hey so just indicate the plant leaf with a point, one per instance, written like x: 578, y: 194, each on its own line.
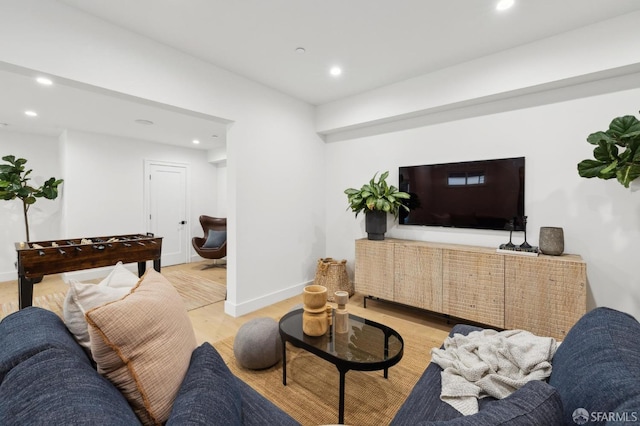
x: 627, y: 174
x: 597, y: 137
x: 605, y: 151
x: 591, y: 168
x: 624, y: 127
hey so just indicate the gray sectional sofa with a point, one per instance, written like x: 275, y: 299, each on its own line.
x: 46, y: 378
x: 595, y: 379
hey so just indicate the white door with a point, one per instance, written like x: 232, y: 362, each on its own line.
x: 167, y: 209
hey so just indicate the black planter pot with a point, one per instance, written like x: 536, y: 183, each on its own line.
x: 375, y: 224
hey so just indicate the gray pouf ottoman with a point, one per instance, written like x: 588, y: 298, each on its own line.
x: 258, y: 344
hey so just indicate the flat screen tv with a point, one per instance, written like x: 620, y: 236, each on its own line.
x: 485, y: 194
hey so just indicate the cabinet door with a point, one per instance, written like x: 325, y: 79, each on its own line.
x: 473, y: 286
x: 374, y: 268
x: 418, y: 276
x: 544, y: 295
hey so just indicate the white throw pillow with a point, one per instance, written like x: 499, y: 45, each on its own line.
x: 120, y: 277
x: 81, y: 297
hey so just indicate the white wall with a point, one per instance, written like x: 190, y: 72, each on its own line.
x: 275, y: 159
x: 41, y: 153
x: 104, y: 188
x: 601, y: 219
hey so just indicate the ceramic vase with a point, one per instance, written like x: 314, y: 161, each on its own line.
x: 314, y: 317
x: 375, y: 224
x: 551, y: 240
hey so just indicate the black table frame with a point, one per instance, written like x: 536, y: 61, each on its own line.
x: 342, y: 365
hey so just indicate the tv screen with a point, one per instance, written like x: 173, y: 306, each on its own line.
x: 487, y: 194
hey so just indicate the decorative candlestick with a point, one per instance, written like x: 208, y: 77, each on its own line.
x: 525, y: 245
x: 342, y: 316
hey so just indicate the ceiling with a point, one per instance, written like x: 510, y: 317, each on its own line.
x: 63, y: 105
x: 375, y: 42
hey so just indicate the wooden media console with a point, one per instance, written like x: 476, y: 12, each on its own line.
x: 545, y: 295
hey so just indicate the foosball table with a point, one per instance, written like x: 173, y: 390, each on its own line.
x: 40, y: 258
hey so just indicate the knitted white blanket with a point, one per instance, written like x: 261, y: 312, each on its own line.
x: 490, y: 363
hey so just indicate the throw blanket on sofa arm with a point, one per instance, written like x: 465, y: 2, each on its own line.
x: 490, y: 363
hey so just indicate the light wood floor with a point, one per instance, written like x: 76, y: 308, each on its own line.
x: 212, y: 324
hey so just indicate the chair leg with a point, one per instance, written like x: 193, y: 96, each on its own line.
x: 217, y: 263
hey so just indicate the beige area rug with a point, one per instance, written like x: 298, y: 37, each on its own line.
x: 53, y: 302
x: 311, y: 395
x: 195, y: 291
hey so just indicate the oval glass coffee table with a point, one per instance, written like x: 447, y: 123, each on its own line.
x: 366, y: 346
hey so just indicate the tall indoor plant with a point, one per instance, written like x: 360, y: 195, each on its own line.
x: 617, y: 152
x: 376, y: 199
x: 14, y: 183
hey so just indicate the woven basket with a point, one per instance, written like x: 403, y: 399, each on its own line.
x: 333, y: 275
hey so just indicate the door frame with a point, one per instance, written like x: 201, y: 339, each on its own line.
x: 187, y: 199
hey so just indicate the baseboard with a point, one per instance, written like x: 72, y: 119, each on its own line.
x: 237, y: 310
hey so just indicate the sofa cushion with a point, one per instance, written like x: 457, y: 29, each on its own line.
x: 424, y: 403
x: 32, y: 330
x: 54, y: 387
x: 259, y: 411
x: 81, y: 297
x: 120, y: 277
x: 535, y: 403
x: 143, y: 343
x: 209, y: 394
x: 212, y: 395
x: 597, y: 366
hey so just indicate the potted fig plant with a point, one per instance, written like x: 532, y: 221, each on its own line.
x: 376, y: 199
x: 617, y: 152
x: 14, y: 183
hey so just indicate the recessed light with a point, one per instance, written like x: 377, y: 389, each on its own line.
x: 335, y: 71
x: 44, y: 81
x: 504, y: 4
x: 300, y: 50
x: 31, y: 113
x: 195, y: 141
x: 144, y: 122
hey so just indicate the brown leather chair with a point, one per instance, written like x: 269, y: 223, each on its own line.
x: 219, y: 227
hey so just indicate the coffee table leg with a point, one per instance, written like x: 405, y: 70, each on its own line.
x: 284, y: 362
x: 341, y: 404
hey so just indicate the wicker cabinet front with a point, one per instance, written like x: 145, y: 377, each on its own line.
x: 374, y: 269
x: 418, y: 276
x: 545, y: 295
x: 473, y: 286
